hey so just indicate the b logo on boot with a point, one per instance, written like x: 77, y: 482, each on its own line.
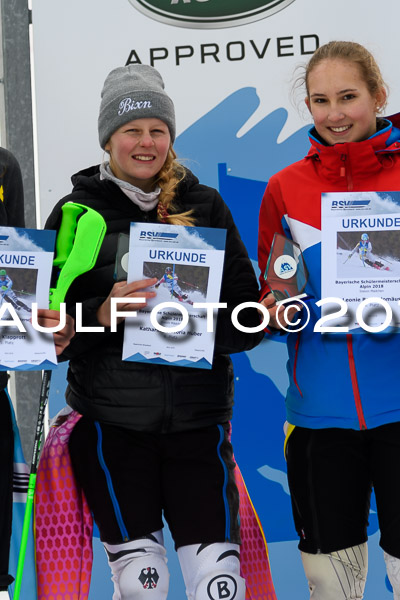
x: 222, y: 587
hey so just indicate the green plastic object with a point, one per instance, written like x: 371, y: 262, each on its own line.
x: 78, y: 244
x: 77, y: 247
x: 66, y: 234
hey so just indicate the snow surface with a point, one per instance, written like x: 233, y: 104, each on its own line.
x: 353, y: 268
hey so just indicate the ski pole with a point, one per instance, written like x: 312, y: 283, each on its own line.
x: 381, y: 257
x: 77, y: 246
x: 349, y: 256
x: 190, y: 284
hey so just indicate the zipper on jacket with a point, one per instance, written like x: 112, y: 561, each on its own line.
x: 354, y: 382
x: 296, y: 353
x: 113, y: 497
x: 345, y: 172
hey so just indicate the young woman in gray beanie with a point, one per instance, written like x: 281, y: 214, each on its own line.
x: 153, y: 439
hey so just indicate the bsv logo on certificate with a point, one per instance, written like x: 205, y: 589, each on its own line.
x: 177, y: 327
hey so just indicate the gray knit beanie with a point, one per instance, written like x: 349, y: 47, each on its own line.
x: 133, y: 92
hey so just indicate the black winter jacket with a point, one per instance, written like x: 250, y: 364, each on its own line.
x: 150, y: 397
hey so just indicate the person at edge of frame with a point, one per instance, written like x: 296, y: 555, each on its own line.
x: 12, y: 215
x: 343, y: 412
x: 154, y: 438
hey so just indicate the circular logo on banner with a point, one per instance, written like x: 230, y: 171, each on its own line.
x: 209, y: 14
x: 285, y: 266
x: 222, y: 586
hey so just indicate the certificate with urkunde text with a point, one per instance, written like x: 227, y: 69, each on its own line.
x: 360, y: 258
x: 26, y: 260
x: 187, y: 263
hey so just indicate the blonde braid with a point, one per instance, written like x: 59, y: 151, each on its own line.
x: 171, y: 174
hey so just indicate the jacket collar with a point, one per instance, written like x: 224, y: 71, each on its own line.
x: 360, y: 159
x: 386, y: 138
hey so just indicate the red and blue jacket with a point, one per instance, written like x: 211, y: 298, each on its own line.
x: 335, y: 380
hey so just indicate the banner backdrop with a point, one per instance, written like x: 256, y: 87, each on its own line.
x: 229, y: 67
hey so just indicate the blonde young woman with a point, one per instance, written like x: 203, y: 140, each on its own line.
x: 154, y: 439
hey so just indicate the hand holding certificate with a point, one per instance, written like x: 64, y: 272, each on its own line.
x: 184, y: 267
